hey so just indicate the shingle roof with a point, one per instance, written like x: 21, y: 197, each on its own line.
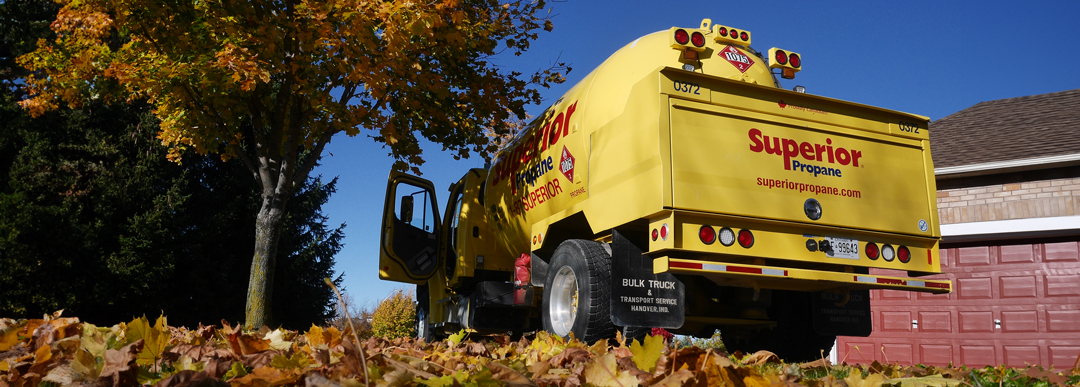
x: 1008, y: 129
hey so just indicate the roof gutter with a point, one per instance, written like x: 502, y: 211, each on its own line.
x: 1010, y: 229
x: 1007, y: 166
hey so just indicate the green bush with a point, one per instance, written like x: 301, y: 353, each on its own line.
x: 395, y: 316
x: 714, y: 342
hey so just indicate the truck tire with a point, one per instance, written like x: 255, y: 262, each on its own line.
x: 793, y: 339
x: 577, y: 292
x: 423, y: 326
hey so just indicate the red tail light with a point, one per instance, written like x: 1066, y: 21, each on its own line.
x: 746, y: 238
x: 781, y: 57
x: 872, y: 250
x: 682, y: 37
x: 707, y: 234
x: 903, y: 254
x: 698, y: 39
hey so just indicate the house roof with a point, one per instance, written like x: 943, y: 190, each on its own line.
x: 1031, y: 127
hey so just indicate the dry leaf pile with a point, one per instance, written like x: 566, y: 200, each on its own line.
x: 59, y: 351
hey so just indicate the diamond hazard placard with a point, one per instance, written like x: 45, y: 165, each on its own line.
x: 736, y: 58
x: 566, y: 165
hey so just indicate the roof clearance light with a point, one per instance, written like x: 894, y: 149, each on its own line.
x: 664, y: 232
x: 681, y: 36
x: 727, y: 237
x: 746, y: 238
x: 728, y: 35
x: 903, y: 254
x: 655, y: 234
x: 781, y: 57
x: 888, y: 253
x: 698, y: 39
x: 707, y: 234
x: 682, y: 39
x: 871, y: 250
x: 788, y: 62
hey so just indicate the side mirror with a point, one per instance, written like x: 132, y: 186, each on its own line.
x: 406, y: 211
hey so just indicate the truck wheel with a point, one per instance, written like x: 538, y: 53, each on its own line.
x: 423, y: 326
x: 793, y: 339
x: 577, y: 292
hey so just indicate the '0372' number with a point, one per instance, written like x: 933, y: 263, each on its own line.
x: 909, y: 127
x: 687, y: 87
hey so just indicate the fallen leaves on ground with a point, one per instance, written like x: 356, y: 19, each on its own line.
x: 56, y: 351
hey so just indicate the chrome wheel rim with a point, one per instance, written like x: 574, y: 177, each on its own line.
x: 564, y: 301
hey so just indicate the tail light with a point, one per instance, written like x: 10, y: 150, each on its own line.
x: 746, y: 238
x: 707, y: 234
x: 662, y: 233
x: 727, y: 236
x: 888, y: 253
x: 872, y: 251
x: 728, y: 35
x: 697, y: 39
x: 788, y: 62
x: 903, y: 254
x: 781, y: 57
x: 681, y: 36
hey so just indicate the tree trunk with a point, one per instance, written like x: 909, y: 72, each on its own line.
x: 260, y: 293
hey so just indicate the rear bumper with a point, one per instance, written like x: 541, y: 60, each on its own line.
x: 770, y: 277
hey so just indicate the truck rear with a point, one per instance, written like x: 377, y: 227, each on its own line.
x: 678, y: 186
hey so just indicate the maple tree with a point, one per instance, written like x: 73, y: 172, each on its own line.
x: 95, y: 220
x: 270, y: 83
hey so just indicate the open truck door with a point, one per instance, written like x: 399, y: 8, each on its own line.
x: 410, y: 230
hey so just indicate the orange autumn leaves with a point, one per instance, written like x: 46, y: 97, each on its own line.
x: 301, y: 72
x: 64, y: 351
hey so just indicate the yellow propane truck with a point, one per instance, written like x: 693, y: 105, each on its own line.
x: 678, y: 186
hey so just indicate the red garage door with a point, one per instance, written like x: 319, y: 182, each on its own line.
x: 1012, y: 304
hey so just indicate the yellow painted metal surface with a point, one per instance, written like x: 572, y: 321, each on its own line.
x: 642, y: 137
x: 769, y: 169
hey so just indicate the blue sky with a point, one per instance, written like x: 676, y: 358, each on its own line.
x: 932, y: 58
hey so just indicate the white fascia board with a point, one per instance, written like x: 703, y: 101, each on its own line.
x: 1007, y: 229
x: 1006, y: 166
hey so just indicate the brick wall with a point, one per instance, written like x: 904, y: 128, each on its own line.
x: 1021, y: 200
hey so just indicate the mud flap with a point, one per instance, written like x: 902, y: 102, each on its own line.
x: 640, y: 298
x: 844, y: 313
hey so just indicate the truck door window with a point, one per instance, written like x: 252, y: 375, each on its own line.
x: 453, y: 212
x: 455, y: 217
x: 414, y: 207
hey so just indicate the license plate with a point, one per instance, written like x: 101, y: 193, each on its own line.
x: 843, y: 248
